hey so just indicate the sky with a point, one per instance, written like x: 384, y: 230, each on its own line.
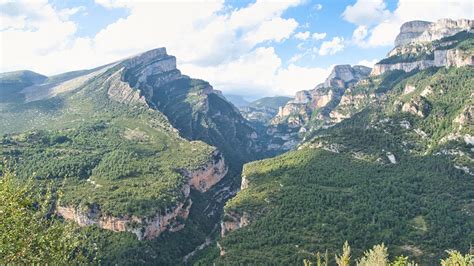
x: 252, y: 48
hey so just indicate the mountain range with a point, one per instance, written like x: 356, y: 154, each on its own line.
x: 157, y: 167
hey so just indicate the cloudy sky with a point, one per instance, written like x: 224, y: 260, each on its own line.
x: 253, y: 48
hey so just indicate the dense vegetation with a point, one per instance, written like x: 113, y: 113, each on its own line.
x: 314, y: 199
x: 29, y: 233
x: 124, y: 159
x: 378, y: 255
x: 123, y: 166
x: 381, y: 176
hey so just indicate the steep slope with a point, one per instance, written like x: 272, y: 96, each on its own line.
x: 192, y: 106
x: 125, y: 143
x: 311, y: 109
x: 397, y: 168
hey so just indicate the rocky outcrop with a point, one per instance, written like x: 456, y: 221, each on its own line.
x: 341, y: 74
x: 288, y: 126
x: 200, y: 179
x: 422, y: 45
x: 208, y: 175
x: 405, y: 66
x: 417, y: 106
x: 142, y: 227
x: 424, y: 31
x: 453, y: 57
x: 122, y: 92
x: 233, y: 221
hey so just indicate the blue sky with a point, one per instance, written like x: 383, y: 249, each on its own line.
x: 254, y: 48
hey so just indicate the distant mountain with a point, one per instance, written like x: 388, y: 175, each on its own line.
x: 237, y: 100
x: 385, y: 157
x: 261, y: 111
x: 313, y: 108
x: 270, y: 102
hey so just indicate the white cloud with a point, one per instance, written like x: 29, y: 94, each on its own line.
x: 331, y: 47
x: 302, y: 35
x: 210, y: 40
x: 359, y: 35
x: 368, y: 63
x: 258, y: 73
x: 276, y: 29
x: 67, y: 12
x: 318, y: 36
x: 30, y: 31
x: 296, y: 58
x: 366, y: 13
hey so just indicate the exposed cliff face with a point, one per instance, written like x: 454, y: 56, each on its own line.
x: 421, y: 45
x: 143, y: 228
x: 122, y: 92
x: 442, y: 58
x: 288, y: 126
x: 453, y: 57
x: 424, y: 31
x: 233, y: 221
x: 208, y: 175
x: 345, y: 73
x: 405, y: 66
x: 200, y: 179
x: 192, y: 106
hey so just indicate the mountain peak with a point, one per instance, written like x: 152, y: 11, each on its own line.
x: 346, y: 73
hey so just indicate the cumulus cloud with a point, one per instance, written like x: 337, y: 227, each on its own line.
x: 318, y: 7
x: 302, y: 35
x: 331, y: 47
x: 377, y: 26
x: 231, y: 48
x: 318, y: 36
x: 366, y: 12
x: 258, y: 73
x: 368, y: 63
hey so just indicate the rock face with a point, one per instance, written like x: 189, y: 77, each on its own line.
x: 203, y: 178
x: 200, y: 179
x: 405, y: 66
x: 422, y: 45
x: 417, y: 106
x: 192, y: 106
x: 122, y: 92
x: 453, y: 57
x: 287, y: 127
x: 447, y: 58
x: 424, y: 31
x: 233, y: 221
x: 345, y: 73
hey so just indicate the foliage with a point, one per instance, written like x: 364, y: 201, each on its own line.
x: 345, y: 258
x: 29, y: 233
x: 456, y: 258
x: 378, y: 255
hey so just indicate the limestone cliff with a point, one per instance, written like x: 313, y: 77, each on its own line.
x: 208, y: 175
x: 288, y: 126
x: 233, y: 221
x: 200, y: 179
x: 424, y: 31
x: 421, y: 45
